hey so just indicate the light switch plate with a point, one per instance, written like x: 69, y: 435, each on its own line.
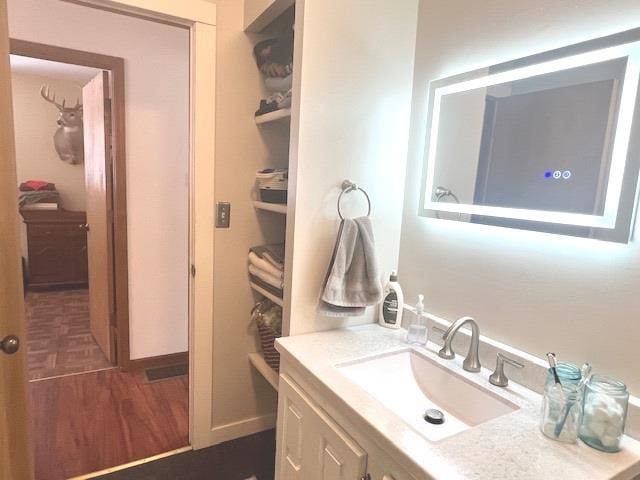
x: 223, y: 215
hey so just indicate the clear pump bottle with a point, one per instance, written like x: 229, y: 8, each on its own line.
x: 417, y: 331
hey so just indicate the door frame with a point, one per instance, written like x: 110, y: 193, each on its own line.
x: 199, y: 17
x: 118, y: 243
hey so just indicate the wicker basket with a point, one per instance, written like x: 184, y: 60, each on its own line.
x: 269, y: 352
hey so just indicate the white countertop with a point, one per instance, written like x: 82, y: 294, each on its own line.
x: 507, y: 447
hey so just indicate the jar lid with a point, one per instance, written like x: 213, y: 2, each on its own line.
x: 606, y: 384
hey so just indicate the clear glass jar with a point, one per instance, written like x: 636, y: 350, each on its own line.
x: 605, y: 410
x: 561, y: 412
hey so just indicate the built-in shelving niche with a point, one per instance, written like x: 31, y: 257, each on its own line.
x: 273, y: 17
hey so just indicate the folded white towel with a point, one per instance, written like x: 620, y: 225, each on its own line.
x: 266, y: 277
x: 268, y: 267
x: 273, y: 254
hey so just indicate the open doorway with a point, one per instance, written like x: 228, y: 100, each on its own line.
x: 106, y: 286
x: 63, y: 137
x: 166, y: 61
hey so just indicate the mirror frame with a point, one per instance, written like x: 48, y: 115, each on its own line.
x: 625, y: 45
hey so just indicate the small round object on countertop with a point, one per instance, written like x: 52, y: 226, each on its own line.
x: 434, y: 416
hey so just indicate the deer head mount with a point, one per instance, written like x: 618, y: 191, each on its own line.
x: 68, y: 139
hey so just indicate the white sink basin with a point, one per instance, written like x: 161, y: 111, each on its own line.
x: 408, y: 383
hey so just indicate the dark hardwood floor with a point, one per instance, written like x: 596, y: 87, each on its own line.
x: 87, y: 422
x: 235, y: 460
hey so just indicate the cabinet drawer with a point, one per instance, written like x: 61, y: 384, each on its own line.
x: 57, y: 254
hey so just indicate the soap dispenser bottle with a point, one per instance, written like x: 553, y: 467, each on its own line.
x: 417, y: 331
x: 392, y: 303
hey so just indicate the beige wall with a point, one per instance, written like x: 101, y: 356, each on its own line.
x: 242, y: 400
x: 35, y: 125
x: 536, y: 292
x: 157, y: 123
x: 354, y: 100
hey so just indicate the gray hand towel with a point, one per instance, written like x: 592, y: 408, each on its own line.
x: 352, y: 281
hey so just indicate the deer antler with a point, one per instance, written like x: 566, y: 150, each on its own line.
x: 45, y: 92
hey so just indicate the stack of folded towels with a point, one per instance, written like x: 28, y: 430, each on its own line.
x: 266, y: 267
x: 38, y: 192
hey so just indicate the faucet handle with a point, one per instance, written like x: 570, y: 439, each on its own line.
x: 446, y: 351
x: 498, y: 377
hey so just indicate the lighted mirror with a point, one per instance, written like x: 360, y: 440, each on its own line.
x: 543, y: 143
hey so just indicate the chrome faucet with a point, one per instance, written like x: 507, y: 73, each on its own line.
x: 472, y: 362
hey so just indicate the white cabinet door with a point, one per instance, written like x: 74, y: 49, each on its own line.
x: 311, y: 446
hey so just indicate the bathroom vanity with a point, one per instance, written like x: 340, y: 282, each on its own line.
x: 351, y: 406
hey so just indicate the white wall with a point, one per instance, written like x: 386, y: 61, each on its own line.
x: 354, y: 101
x: 537, y: 292
x: 35, y: 126
x: 157, y: 121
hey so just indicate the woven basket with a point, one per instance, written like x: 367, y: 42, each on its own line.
x: 269, y: 352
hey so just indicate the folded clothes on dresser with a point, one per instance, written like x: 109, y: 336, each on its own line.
x: 30, y: 197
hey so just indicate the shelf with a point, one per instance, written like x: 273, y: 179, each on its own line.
x: 265, y: 370
x: 271, y: 207
x: 275, y: 299
x: 259, y: 14
x: 273, y: 116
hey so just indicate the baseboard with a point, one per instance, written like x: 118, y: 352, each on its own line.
x: 231, y: 431
x: 159, y: 361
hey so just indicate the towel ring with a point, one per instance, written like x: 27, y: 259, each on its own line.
x: 348, y: 186
x: 442, y: 192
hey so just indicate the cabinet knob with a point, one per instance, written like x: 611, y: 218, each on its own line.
x: 84, y: 226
